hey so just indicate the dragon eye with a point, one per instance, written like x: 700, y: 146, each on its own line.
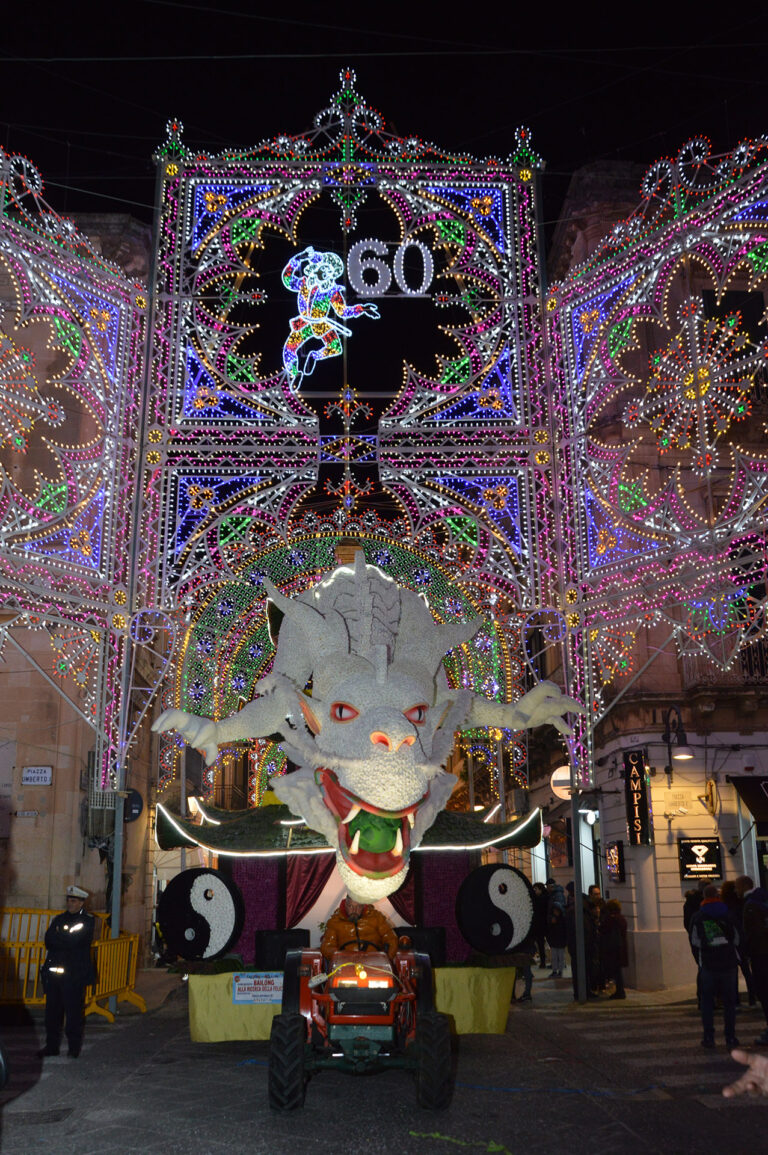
x: 417, y: 714
x: 343, y: 712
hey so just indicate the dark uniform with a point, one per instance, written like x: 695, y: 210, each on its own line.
x: 68, y: 969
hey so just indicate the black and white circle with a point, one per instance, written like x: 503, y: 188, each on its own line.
x: 494, y: 909
x: 200, y: 914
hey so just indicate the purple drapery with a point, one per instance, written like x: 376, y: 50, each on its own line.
x: 306, y: 875
x: 441, y: 876
x: 259, y: 881
x: 404, y: 899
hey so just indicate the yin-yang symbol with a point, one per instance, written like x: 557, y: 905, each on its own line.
x: 200, y: 914
x: 494, y: 909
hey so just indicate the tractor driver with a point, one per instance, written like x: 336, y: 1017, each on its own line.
x: 358, y: 926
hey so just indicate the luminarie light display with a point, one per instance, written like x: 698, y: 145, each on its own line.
x: 660, y: 340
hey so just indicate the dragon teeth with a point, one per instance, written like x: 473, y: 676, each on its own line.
x: 398, y: 850
x: 411, y: 819
x: 352, y: 814
x: 354, y: 845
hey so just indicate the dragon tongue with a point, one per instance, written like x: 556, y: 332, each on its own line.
x: 373, y: 841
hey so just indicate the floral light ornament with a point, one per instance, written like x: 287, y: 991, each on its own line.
x: 44, y: 423
x: 685, y: 403
x: 699, y: 384
x: 372, y: 737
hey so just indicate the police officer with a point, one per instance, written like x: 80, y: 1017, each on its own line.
x: 68, y: 969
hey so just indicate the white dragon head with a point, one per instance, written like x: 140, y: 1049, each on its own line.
x: 359, y: 699
x: 378, y: 723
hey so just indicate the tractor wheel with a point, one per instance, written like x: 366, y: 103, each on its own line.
x: 287, y: 1076
x: 434, y: 1070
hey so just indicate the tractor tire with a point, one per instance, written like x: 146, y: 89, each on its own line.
x: 287, y: 1080
x: 434, y: 1067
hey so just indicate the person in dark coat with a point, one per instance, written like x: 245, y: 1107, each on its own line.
x: 729, y: 893
x: 613, y: 943
x: 596, y: 908
x: 715, y: 942
x: 523, y: 959
x: 690, y: 906
x: 68, y: 969
x: 755, y: 921
x: 539, y: 925
x: 556, y: 936
x: 590, y: 941
x: 692, y: 903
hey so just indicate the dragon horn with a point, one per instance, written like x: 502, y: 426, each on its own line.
x: 323, y: 633
x: 434, y: 641
x: 453, y: 636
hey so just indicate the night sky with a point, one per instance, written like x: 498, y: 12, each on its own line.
x: 87, y: 88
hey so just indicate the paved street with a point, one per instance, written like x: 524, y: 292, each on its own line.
x: 606, y: 1077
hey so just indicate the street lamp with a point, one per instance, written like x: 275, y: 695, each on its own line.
x: 683, y: 752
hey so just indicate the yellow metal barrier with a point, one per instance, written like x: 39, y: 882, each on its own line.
x: 20, y: 964
x: 22, y: 951
x: 116, y: 960
x: 27, y: 924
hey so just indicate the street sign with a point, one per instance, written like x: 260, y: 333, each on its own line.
x: 37, y: 775
x: 560, y: 782
x: 133, y: 806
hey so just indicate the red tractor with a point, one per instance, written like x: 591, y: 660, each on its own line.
x: 365, y: 1013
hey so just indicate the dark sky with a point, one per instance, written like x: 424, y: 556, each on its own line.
x: 87, y: 88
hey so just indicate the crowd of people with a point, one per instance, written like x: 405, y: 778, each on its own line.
x: 727, y: 928
x: 728, y: 931
x: 605, y: 936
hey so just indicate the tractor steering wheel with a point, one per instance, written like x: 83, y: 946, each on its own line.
x: 359, y: 943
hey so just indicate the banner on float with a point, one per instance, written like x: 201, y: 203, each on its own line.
x: 257, y: 987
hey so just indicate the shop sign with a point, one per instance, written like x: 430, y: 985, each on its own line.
x: 37, y: 775
x: 257, y: 987
x: 700, y: 858
x: 614, y: 861
x: 638, y: 798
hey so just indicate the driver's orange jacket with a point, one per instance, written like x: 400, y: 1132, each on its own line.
x: 372, y: 926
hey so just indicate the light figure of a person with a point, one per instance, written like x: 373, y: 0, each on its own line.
x: 313, y: 276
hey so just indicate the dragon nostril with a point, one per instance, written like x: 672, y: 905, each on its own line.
x: 380, y: 739
x: 407, y: 741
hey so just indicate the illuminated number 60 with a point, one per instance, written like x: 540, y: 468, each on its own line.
x: 428, y: 267
x: 365, y: 255
x: 357, y: 264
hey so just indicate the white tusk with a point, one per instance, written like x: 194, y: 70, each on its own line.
x: 355, y: 843
x: 398, y: 843
x: 352, y: 814
x: 411, y: 819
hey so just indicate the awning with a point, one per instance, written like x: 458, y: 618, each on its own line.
x: 753, y: 792
x: 556, y: 812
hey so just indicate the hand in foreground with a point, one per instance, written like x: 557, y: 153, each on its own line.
x: 754, y: 1081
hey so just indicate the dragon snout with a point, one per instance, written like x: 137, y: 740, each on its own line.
x: 392, y: 742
